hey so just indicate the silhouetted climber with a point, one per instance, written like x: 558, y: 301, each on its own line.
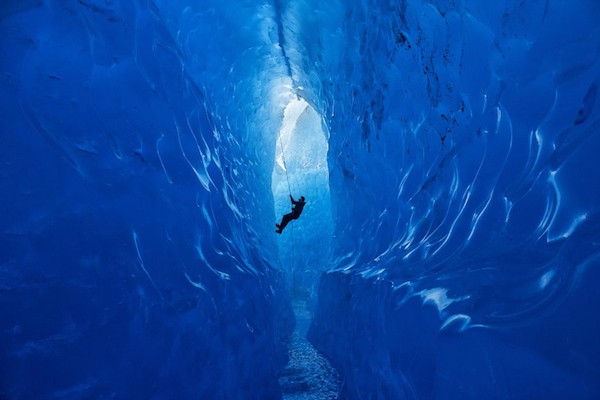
x: 297, y: 208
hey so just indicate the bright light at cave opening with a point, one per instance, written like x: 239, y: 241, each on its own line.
x: 301, y: 168
x: 300, y: 153
x: 290, y: 117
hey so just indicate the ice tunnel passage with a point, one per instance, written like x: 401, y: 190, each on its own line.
x: 137, y: 253
x: 301, y: 169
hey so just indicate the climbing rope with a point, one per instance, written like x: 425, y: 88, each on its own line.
x: 287, y: 177
x: 284, y: 163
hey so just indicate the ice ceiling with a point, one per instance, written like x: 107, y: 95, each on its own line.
x: 447, y: 151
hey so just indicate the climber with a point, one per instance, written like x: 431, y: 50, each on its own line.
x: 297, y: 208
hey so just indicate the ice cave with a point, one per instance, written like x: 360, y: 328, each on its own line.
x: 448, y: 151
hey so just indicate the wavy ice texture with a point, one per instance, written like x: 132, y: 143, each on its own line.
x: 135, y: 259
x: 138, y: 144
x: 480, y: 124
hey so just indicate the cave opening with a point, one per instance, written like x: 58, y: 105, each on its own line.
x: 301, y: 169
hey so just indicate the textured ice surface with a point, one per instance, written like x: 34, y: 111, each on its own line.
x: 464, y: 139
x: 138, y: 141
x: 134, y: 256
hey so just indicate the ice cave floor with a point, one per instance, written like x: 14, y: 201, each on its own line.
x: 308, y: 375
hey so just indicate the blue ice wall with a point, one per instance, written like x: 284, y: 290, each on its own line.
x: 137, y: 253
x: 463, y: 151
x: 132, y: 264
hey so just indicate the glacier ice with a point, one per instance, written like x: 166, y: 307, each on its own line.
x: 484, y: 208
x: 133, y: 263
x: 452, y: 229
